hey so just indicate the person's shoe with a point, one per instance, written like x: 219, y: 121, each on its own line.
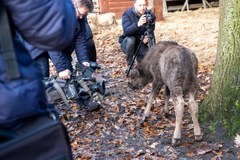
x: 90, y: 105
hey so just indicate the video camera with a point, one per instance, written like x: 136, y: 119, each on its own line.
x: 83, y: 80
x: 81, y: 83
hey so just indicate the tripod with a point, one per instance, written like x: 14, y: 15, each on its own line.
x: 151, y: 42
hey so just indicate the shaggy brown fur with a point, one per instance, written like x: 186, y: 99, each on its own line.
x: 175, y: 67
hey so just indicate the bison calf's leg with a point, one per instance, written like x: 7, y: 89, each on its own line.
x: 166, y: 98
x: 156, y: 87
x: 179, y: 110
x: 148, y: 107
x: 193, y: 108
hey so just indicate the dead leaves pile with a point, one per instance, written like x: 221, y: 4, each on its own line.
x: 113, y: 133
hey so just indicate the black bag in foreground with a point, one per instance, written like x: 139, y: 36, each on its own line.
x: 32, y: 135
x: 39, y: 138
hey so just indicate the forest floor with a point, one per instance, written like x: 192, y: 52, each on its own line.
x: 112, y: 132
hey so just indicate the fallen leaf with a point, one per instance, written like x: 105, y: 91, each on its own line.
x: 237, y: 141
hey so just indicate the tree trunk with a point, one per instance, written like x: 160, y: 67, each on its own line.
x: 221, y: 107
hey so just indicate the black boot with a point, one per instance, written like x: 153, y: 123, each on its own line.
x: 87, y: 103
x: 90, y: 105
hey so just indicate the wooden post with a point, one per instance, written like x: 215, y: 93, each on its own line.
x: 104, y: 6
x: 158, y: 9
x: 155, y: 5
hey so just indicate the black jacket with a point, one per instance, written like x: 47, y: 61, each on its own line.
x: 129, y: 23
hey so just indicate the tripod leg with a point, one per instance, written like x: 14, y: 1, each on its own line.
x: 136, y: 54
x: 151, y: 39
x: 134, y: 57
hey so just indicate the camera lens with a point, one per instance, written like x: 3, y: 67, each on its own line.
x: 94, y: 65
x: 150, y: 19
x: 98, y: 87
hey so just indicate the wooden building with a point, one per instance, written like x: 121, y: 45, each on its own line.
x: 158, y: 6
x: 119, y: 6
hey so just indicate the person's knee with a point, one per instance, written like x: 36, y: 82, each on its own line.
x: 130, y: 41
x: 128, y: 44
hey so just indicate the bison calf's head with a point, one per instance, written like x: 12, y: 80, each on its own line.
x: 137, y: 80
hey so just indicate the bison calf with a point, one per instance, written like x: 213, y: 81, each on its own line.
x: 175, y: 67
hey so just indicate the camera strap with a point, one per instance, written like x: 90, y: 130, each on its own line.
x: 62, y: 94
x: 9, y: 56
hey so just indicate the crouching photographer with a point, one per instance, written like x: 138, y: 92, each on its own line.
x: 138, y: 25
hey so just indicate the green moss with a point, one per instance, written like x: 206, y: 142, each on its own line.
x: 224, y: 124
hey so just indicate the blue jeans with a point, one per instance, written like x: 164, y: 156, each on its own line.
x: 129, y: 47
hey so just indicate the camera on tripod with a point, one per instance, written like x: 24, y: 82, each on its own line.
x: 149, y: 17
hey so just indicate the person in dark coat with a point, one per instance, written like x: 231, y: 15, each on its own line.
x: 83, y: 45
x: 38, y: 55
x: 85, y: 50
x: 54, y: 26
x: 62, y: 60
x: 134, y: 27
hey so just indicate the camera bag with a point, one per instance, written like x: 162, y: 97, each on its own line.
x: 27, y: 132
x: 40, y: 137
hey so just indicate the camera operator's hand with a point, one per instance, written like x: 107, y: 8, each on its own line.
x: 86, y: 64
x: 145, y: 39
x: 66, y: 74
x: 142, y: 20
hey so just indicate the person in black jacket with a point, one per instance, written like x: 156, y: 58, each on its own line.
x: 134, y: 27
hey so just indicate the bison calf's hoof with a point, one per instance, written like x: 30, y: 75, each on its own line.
x: 175, y: 142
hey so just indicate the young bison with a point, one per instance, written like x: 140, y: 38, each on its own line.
x: 175, y: 67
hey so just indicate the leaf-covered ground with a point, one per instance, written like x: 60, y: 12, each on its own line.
x: 113, y: 133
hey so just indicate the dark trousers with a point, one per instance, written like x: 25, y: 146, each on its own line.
x: 42, y: 61
x: 129, y: 47
x: 91, y: 50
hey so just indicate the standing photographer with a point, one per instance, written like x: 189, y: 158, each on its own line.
x: 135, y: 23
x: 62, y: 60
x: 83, y: 45
x: 42, y: 57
